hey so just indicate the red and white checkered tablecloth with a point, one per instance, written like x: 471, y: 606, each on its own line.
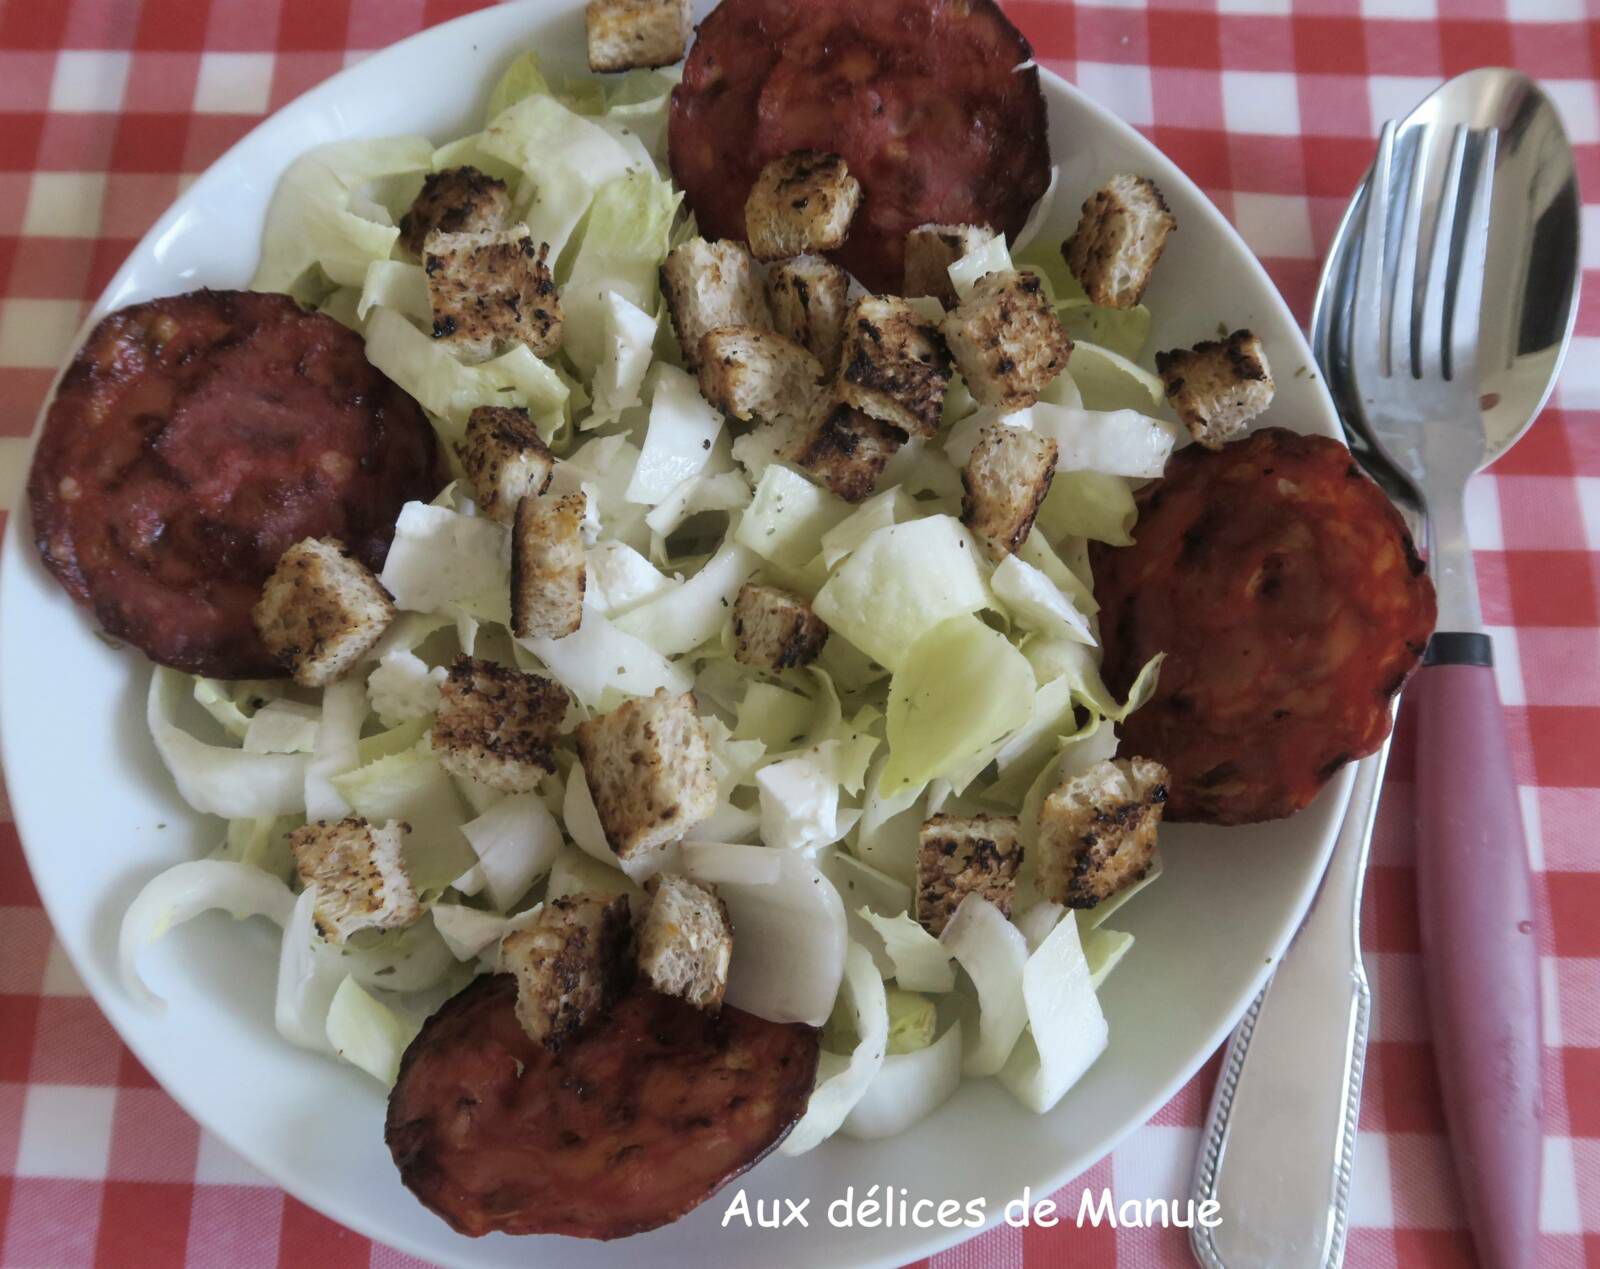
x: 107, y: 107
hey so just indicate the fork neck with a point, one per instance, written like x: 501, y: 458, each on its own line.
x: 1450, y: 562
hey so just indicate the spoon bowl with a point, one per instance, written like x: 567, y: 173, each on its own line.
x: 1530, y: 280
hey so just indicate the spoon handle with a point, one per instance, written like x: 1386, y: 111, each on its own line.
x: 1480, y: 958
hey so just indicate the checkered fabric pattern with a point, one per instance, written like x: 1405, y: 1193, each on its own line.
x: 107, y: 108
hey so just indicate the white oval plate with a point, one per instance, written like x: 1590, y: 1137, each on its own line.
x: 98, y: 815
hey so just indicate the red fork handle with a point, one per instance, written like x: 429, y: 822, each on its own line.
x: 1480, y: 957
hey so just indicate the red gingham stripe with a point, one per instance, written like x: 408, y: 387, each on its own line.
x: 1273, y: 115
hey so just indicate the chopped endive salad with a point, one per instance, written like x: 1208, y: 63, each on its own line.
x: 947, y: 684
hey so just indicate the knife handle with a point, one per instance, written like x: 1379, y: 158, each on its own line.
x: 1480, y: 957
x: 1279, y: 1141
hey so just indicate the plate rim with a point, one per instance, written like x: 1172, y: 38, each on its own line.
x: 17, y: 543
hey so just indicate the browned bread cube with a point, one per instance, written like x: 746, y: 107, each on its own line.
x: 775, y: 630
x: 1218, y: 386
x: 628, y: 34
x: 360, y: 875
x: 1097, y: 832
x: 894, y: 365
x: 958, y: 856
x: 496, y: 725
x: 571, y: 963
x: 843, y: 449
x: 491, y: 291
x: 1007, y: 341
x: 686, y: 941
x: 321, y: 611
x: 549, y: 567
x: 802, y: 202
x: 808, y: 296
x: 458, y: 200
x: 707, y: 285
x: 745, y: 372
x: 1006, y: 479
x: 1120, y: 237
x: 505, y: 459
x: 931, y: 250
x: 648, y: 764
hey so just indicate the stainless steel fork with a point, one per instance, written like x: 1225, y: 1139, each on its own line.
x: 1414, y: 335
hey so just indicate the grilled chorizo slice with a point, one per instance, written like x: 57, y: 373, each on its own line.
x: 924, y: 99
x: 1289, y: 599
x: 631, y: 1124
x: 196, y: 438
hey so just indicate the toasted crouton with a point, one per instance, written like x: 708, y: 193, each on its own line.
x: 572, y: 962
x: 686, y: 941
x: 491, y: 291
x: 505, y: 459
x: 360, y: 876
x: 774, y: 630
x: 1120, y: 237
x: 321, y: 611
x: 710, y: 284
x: 843, y: 449
x: 1007, y: 341
x: 1218, y: 386
x: 1006, y: 479
x: 624, y: 34
x: 932, y: 249
x: 648, y: 763
x: 548, y: 568
x: 745, y: 371
x: 458, y: 200
x: 496, y: 725
x: 808, y: 296
x: 894, y: 365
x: 801, y: 202
x: 1097, y: 832
x: 957, y: 857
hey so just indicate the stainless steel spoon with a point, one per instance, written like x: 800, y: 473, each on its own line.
x: 1279, y: 1147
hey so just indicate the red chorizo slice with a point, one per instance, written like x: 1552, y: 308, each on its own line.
x: 1289, y: 599
x: 192, y: 441
x: 626, y: 1128
x: 922, y: 98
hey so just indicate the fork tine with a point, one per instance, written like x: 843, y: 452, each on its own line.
x: 1433, y: 333
x: 1402, y: 310
x: 1367, y: 308
x: 1467, y: 302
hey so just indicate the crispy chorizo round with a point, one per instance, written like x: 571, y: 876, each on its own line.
x: 923, y: 98
x: 192, y: 441
x: 1289, y: 599
x: 628, y: 1126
